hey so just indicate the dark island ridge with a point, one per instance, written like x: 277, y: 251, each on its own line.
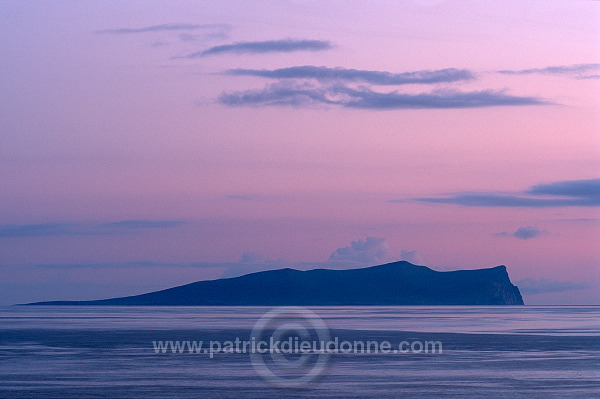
x: 398, y: 283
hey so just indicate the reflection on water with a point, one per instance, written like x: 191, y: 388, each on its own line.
x: 547, y: 320
x: 106, y: 352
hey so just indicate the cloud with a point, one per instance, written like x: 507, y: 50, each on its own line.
x: 523, y: 233
x: 322, y: 73
x: 159, y: 43
x: 276, y: 94
x: 543, y: 286
x: 580, y: 220
x: 252, y: 262
x: 306, y: 94
x: 35, y: 230
x: 577, y: 70
x: 411, y: 256
x: 589, y: 188
x: 527, y: 232
x: 267, y: 46
x: 145, y: 224
x: 365, y: 98
x: 371, y: 251
x: 368, y: 252
x: 588, y: 77
x: 585, y: 193
x: 491, y: 200
x: 170, y: 27
x: 79, y: 229
x: 121, y: 265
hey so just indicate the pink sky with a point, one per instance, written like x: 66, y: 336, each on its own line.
x: 105, y: 118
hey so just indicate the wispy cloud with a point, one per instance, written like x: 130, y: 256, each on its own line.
x: 145, y: 224
x: 306, y: 94
x: 576, y: 70
x: 586, y: 77
x: 323, y: 73
x: 252, y: 262
x: 533, y: 286
x: 35, y: 230
x: 363, y: 252
x: 523, y: 233
x: 589, y: 188
x: 170, y: 27
x: 579, y: 220
x: 79, y: 229
x: 492, y: 200
x: 413, y: 256
x: 584, y: 193
x: 262, y: 47
x: 122, y: 265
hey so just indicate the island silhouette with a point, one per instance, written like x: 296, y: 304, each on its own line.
x: 397, y: 283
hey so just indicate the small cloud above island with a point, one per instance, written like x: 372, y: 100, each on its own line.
x: 413, y: 256
x: 252, y: 262
x: 370, y: 251
x: 523, y: 233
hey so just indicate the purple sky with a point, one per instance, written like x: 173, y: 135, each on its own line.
x: 150, y: 144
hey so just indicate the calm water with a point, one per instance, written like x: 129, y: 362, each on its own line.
x: 108, y: 352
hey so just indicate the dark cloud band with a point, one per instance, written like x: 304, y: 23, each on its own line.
x: 166, y: 28
x: 585, y: 193
x: 268, y: 46
x: 73, y: 229
x: 356, y: 75
x: 556, y: 70
x: 145, y: 224
x: 365, y: 98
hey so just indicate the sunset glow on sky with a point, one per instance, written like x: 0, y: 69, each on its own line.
x: 145, y: 145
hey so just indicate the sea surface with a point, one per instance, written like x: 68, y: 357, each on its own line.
x: 110, y: 352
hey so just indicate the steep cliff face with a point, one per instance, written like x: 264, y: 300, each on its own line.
x: 507, y: 294
x: 488, y: 286
x: 398, y: 283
